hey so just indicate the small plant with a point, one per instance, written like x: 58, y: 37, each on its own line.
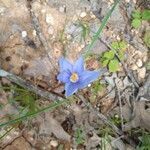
x: 145, y: 142
x: 96, y: 87
x: 25, y: 98
x: 85, y: 30
x: 79, y: 136
x: 138, y: 16
x: 109, y: 58
x: 147, y: 38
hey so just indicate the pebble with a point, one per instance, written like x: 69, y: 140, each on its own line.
x: 92, y: 15
x: 43, y: 11
x: 24, y: 34
x: 111, y: 1
x: 144, y: 58
x: 54, y: 143
x: 139, y: 63
x: 118, y: 38
x: 62, y: 8
x: 134, y: 67
x: 142, y: 72
x: 127, y: 1
x: 34, y: 33
x: 89, y: 85
x: 2, y: 10
x: 49, y: 19
x: 83, y: 14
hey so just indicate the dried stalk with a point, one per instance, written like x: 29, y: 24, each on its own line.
x: 100, y: 115
x: 25, y: 84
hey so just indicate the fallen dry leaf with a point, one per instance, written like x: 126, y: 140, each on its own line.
x: 141, y: 119
x: 50, y: 125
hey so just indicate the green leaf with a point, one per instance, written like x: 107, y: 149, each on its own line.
x: 146, y: 15
x: 136, y: 14
x: 113, y: 65
x: 122, y: 45
x: 136, y: 23
x: 105, y: 63
x: 109, y: 55
x: 79, y: 137
x: 115, y: 45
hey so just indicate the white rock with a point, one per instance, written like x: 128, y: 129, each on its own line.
x: 127, y: 1
x: 34, y: 33
x: 118, y: 37
x: 49, y: 19
x: 54, y: 143
x: 145, y: 58
x: 139, y: 63
x: 83, y: 14
x: 24, y: 34
x: 134, y: 67
x: 43, y: 11
x: 89, y: 85
x: 142, y: 72
x: 92, y: 15
x: 62, y: 8
x: 134, y: 1
x: 111, y: 1
x: 2, y: 10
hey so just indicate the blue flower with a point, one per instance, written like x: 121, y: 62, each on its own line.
x: 75, y: 76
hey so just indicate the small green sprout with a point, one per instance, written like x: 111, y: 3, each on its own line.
x: 145, y: 142
x: 79, y: 136
x: 85, y: 30
x: 109, y: 58
x: 147, y: 38
x: 138, y: 16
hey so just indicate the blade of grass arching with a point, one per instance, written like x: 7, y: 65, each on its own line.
x: 98, y: 33
x: 50, y: 107
x: 6, y: 132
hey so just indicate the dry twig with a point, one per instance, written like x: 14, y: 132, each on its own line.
x: 39, y: 32
x: 19, y: 81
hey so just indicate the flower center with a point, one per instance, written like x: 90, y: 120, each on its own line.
x: 74, y: 77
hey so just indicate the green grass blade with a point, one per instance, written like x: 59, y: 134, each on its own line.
x: 6, y: 132
x: 50, y: 107
x: 104, y: 22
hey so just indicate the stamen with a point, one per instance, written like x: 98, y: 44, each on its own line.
x: 74, y: 77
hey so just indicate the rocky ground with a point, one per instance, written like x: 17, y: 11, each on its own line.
x: 34, y: 34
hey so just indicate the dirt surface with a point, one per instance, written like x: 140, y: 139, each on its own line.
x: 34, y: 34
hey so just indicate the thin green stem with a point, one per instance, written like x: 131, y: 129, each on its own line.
x: 50, y: 107
x: 6, y: 132
x: 98, y: 33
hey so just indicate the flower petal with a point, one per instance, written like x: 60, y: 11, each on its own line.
x: 64, y: 76
x: 87, y: 77
x: 70, y: 89
x: 79, y: 65
x: 65, y: 65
